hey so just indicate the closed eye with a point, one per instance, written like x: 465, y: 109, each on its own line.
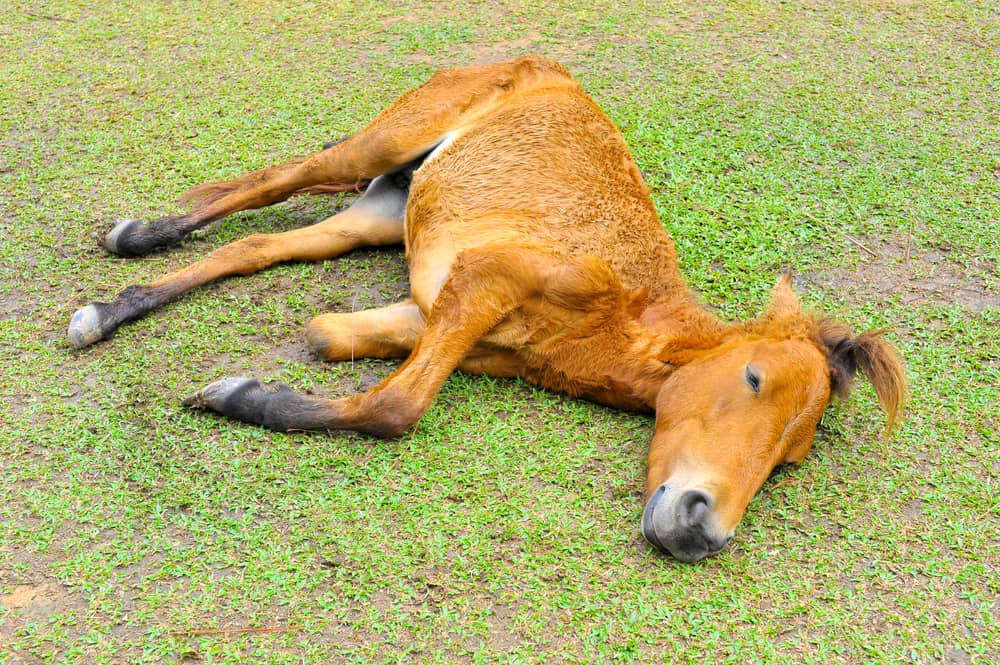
x: 753, y: 379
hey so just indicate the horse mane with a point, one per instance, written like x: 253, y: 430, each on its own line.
x: 870, y: 353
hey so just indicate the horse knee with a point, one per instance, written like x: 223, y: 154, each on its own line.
x: 388, y: 411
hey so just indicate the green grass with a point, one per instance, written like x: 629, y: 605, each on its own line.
x: 504, y: 527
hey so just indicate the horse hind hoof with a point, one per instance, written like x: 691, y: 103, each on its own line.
x: 85, y: 327
x: 214, y: 395
x: 116, y: 240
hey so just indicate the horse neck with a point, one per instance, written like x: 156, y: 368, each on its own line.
x: 667, y: 324
x: 677, y: 329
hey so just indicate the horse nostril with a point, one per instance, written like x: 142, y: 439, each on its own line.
x: 694, y: 507
x: 683, y: 524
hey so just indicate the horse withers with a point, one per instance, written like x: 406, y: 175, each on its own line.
x: 534, y: 251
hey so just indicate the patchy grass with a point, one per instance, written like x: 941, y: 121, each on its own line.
x: 504, y: 527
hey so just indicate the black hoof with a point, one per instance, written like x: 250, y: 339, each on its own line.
x: 87, y: 326
x: 121, y: 239
x: 99, y: 320
x: 275, y: 406
x: 214, y: 395
x: 131, y: 237
x: 247, y: 400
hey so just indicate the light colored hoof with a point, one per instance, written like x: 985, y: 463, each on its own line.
x: 85, y: 327
x: 215, y: 394
x: 111, y: 240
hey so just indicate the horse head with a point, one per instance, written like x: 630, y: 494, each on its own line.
x: 726, y: 419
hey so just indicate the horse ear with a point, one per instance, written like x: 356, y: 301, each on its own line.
x: 784, y: 302
x: 876, y: 358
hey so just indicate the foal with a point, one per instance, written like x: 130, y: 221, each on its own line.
x: 534, y: 251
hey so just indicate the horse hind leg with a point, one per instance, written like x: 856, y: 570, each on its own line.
x: 399, y: 137
x: 405, y: 132
x: 374, y: 219
x: 347, y: 165
x: 212, y: 201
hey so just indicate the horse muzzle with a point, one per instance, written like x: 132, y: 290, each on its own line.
x: 683, y: 523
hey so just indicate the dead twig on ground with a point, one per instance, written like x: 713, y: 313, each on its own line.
x: 47, y: 17
x: 233, y: 631
x: 831, y: 229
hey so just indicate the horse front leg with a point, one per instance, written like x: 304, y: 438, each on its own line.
x: 484, y: 287
x: 386, y: 332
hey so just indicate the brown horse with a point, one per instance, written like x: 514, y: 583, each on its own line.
x: 534, y: 250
